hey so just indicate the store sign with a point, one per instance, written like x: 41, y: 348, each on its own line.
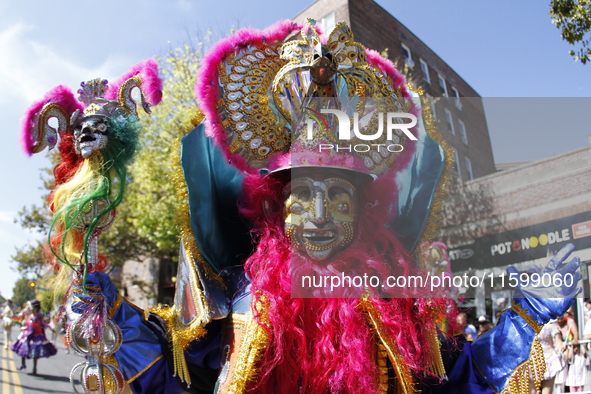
x: 581, y: 230
x: 524, y: 244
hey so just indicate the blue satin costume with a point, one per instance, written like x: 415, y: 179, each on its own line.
x: 481, y: 367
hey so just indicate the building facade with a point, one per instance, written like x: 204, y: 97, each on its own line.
x: 456, y: 106
x: 541, y: 206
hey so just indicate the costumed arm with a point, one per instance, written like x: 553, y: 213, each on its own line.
x: 140, y: 357
x: 507, y: 354
x: 165, y: 343
x: 157, y: 354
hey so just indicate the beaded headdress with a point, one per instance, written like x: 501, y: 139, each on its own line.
x: 260, y: 90
x: 96, y: 98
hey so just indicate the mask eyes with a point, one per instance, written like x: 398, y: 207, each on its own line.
x: 343, y: 207
x: 91, y: 128
x: 334, y: 191
x: 302, y: 193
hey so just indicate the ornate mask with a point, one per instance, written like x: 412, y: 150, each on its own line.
x: 90, y: 136
x: 320, y: 212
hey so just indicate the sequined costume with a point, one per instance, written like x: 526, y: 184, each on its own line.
x: 270, y: 194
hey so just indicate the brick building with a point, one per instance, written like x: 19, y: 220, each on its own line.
x: 149, y: 282
x: 542, y: 206
x: 456, y: 106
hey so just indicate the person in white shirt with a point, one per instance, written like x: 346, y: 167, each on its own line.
x: 7, y: 315
x: 577, y: 371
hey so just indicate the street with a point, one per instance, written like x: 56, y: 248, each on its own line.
x: 52, y: 373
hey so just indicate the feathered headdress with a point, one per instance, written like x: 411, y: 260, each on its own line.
x: 254, y: 87
x: 96, y: 98
x: 97, y: 134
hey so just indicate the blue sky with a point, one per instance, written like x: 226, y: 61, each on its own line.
x: 502, y: 48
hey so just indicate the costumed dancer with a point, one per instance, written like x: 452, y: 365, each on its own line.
x: 243, y: 320
x: 97, y: 135
x: 32, y: 342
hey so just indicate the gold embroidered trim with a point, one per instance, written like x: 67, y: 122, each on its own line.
x: 116, y: 305
x: 404, y: 377
x: 435, y: 216
x: 183, y: 212
x: 382, y: 362
x: 526, y: 316
x: 437, y: 367
x: 144, y: 370
x: 533, y: 368
x: 255, y: 340
x: 180, y: 337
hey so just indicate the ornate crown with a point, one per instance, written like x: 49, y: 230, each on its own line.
x: 264, y: 93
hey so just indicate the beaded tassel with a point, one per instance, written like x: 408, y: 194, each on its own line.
x: 532, y: 369
x: 437, y: 367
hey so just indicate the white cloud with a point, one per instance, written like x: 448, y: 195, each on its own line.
x: 7, y: 217
x: 29, y: 68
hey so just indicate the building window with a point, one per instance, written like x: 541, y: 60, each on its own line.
x: 456, y: 161
x: 425, y: 70
x: 469, y: 168
x: 327, y: 23
x: 407, y: 56
x: 463, y: 133
x: 456, y: 94
x: 450, y: 122
x: 443, y: 85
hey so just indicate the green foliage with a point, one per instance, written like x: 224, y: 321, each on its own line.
x: 22, y: 291
x: 152, y: 198
x: 35, y: 218
x: 573, y: 18
x: 30, y: 259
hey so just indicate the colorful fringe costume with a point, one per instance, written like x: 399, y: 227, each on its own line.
x: 270, y: 200
x: 97, y: 135
x: 32, y: 342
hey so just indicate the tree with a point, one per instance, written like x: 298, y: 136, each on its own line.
x: 30, y: 259
x: 573, y: 18
x: 152, y: 201
x: 23, y: 291
x: 467, y: 211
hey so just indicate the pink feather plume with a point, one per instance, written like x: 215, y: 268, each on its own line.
x: 206, y: 88
x: 60, y: 95
x: 151, y: 82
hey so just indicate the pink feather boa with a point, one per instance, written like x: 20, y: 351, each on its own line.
x: 206, y: 88
x: 60, y: 95
x: 151, y: 82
